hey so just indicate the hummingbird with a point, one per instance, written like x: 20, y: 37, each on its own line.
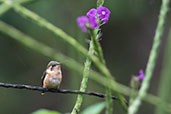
x: 52, y: 76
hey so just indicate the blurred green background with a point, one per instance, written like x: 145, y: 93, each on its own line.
x: 126, y: 42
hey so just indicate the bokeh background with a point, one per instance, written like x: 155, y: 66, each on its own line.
x: 126, y: 42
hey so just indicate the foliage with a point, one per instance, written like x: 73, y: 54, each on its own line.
x: 93, y: 55
x: 94, y: 109
x: 44, y: 111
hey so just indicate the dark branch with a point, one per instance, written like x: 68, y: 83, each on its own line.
x: 64, y: 91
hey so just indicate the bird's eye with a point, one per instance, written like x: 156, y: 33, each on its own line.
x: 54, y: 65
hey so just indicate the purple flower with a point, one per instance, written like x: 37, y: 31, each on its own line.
x: 103, y: 14
x: 83, y: 22
x: 93, y: 22
x: 141, y: 75
x: 92, y: 18
x: 92, y: 12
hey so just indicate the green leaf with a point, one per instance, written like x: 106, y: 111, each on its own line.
x: 94, y: 109
x: 44, y: 111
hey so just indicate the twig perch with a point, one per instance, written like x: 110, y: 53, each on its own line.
x: 64, y: 91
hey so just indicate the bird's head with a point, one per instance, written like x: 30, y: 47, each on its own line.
x: 53, y: 65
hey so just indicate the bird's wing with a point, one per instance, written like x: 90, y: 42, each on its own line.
x: 43, y: 77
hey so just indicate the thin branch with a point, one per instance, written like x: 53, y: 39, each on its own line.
x: 64, y: 91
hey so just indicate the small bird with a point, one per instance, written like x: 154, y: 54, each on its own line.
x: 52, y: 76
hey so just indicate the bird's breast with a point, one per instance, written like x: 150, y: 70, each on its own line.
x: 52, y: 80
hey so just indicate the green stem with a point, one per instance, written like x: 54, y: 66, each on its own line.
x: 152, y: 59
x: 165, y: 85
x: 4, y: 8
x: 134, y: 84
x: 97, y: 47
x: 101, y: 58
x: 109, y: 101
x: 98, y: 50
x: 100, y: 3
x: 83, y: 86
x: 7, y: 5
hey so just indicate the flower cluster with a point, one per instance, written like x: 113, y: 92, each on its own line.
x: 93, y: 18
